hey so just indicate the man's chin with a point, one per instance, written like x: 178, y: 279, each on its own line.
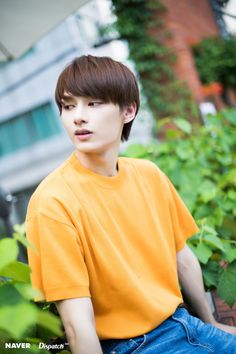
x: 88, y: 149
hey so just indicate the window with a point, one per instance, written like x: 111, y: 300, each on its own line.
x: 28, y: 128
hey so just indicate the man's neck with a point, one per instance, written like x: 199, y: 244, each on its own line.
x: 104, y: 164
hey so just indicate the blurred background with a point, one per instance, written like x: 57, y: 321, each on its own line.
x: 175, y: 48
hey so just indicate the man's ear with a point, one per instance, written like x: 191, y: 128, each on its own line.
x: 129, y: 112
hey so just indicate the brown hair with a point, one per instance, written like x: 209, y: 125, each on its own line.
x: 102, y: 78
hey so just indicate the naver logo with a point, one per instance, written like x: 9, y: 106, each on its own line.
x: 17, y: 345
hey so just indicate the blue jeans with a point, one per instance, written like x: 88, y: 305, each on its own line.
x: 181, y: 333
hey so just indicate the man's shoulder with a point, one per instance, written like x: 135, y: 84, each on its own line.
x: 54, y: 179
x: 146, y: 172
x: 142, y: 165
x: 52, y: 188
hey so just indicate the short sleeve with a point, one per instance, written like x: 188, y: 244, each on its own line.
x: 58, y: 267
x: 183, y: 223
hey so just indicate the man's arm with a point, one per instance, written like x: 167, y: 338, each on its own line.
x: 78, y: 319
x: 190, y: 277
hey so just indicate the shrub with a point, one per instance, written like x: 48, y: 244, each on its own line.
x: 215, y: 59
x: 201, y: 162
x: 20, y: 319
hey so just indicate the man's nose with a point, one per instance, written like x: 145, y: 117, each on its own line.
x: 80, y: 116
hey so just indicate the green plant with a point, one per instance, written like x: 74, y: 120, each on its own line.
x: 216, y: 60
x: 20, y: 319
x: 201, y: 163
x: 141, y: 23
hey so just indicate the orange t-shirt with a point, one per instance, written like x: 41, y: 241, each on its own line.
x: 113, y: 239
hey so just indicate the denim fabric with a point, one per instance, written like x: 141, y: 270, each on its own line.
x: 181, y: 333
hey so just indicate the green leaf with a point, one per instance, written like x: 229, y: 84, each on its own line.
x: 209, y: 230
x: 228, y: 205
x: 50, y: 322
x: 19, y: 235
x: 19, y: 229
x: 182, y: 152
x: 203, y: 252
x: 17, y: 271
x: 227, y: 285
x: 218, y: 216
x: 208, y: 191
x: 232, y: 195
x: 211, y: 273
x: 214, y: 241
x: 27, y: 291
x: 16, y: 319
x: 8, y: 251
x: 9, y: 296
x: 230, y: 255
x: 183, y: 125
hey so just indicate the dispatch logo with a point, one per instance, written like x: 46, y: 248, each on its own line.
x: 41, y: 345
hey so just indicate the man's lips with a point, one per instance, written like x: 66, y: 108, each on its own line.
x: 83, y: 134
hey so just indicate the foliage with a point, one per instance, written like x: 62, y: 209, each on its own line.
x: 216, y: 60
x: 141, y: 24
x: 20, y: 319
x: 201, y: 162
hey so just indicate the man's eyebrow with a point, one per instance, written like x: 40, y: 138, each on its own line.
x: 66, y: 99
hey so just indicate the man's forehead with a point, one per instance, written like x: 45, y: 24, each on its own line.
x: 67, y: 96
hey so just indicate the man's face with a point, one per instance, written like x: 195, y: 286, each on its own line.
x: 92, y: 125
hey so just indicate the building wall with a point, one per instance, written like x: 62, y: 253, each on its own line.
x: 27, y: 85
x: 32, y: 138
x: 189, y: 22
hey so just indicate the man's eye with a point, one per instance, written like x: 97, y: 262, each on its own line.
x: 68, y: 107
x: 94, y: 103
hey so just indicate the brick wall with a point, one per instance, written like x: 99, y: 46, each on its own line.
x: 189, y: 22
x: 223, y: 312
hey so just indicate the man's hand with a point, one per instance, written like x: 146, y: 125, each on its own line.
x: 190, y: 277
x: 78, y: 319
x: 225, y: 328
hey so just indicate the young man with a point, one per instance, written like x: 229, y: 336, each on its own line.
x: 111, y: 232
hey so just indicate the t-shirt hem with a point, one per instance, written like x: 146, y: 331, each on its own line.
x: 187, y: 235
x: 58, y: 294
